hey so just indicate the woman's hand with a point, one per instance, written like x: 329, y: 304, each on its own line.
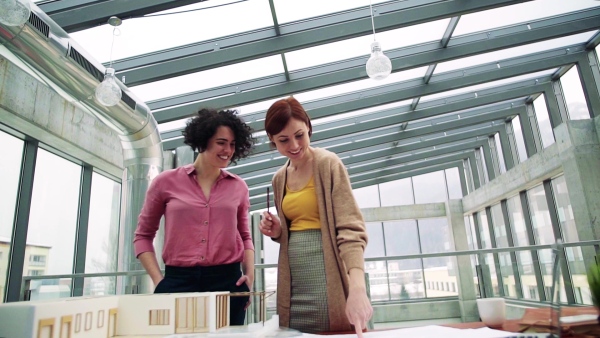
x: 270, y: 225
x: 358, y: 309
x: 249, y: 280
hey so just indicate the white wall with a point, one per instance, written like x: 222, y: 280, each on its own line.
x: 133, y: 317
x: 89, y: 310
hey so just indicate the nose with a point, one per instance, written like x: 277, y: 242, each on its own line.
x: 294, y: 143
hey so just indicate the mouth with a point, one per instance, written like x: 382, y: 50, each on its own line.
x: 224, y: 158
x: 295, y: 152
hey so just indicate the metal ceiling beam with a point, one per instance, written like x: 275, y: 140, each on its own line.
x: 403, y: 58
x: 76, y: 15
x: 401, y: 175
x: 329, y: 106
x: 353, y: 69
x: 386, y: 151
x: 296, y: 35
x: 260, y: 202
x: 478, y: 121
x: 351, y: 143
x: 508, y: 95
x: 260, y: 195
x: 393, y: 153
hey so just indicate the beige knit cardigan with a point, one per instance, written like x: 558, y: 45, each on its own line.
x: 343, y: 231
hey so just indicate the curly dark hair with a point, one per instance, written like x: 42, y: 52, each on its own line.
x: 203, y: 126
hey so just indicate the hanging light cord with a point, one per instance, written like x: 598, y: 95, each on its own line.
x: 372, y: 21
x: 116, y: 32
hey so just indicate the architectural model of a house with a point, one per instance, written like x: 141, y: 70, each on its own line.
x: 147, y: 315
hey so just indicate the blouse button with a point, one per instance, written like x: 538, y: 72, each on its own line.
x: 205, y: 222
x: 202, y: 258
x: 206, y: 205
x: 203, y: 240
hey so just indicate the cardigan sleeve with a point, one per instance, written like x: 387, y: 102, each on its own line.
x: 274, y: 183
x: 350, y: 225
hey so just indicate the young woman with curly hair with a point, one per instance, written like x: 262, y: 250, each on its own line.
x: 207, y: 243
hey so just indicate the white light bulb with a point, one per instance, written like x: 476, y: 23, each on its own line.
x: 379, y: 66
x: 108, y: 91
x: 14, y: 12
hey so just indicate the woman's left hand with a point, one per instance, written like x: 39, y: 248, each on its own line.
x: 358, y: 309
x: 249, y: 281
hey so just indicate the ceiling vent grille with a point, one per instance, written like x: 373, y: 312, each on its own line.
x: 128, y: 100
x: 83, y: 62
x: 39, y: 25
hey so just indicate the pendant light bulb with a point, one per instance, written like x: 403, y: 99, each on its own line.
x: 14, y: 12
x: 378, y: 66
x: 108, y: 91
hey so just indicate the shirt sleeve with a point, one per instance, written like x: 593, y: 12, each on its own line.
x: 149, y: 218
x: 243, y: 220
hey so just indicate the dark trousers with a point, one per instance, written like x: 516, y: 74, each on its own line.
x: 208, y: 279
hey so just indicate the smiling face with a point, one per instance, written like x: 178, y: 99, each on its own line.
x: 220, y: 148
x: 293, y: 140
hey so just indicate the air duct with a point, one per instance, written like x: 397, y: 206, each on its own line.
x: 48, y: 49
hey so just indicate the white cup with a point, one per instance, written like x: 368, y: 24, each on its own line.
x: 492, y: 311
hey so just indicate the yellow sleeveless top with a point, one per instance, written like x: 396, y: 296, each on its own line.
x: 301, y: 208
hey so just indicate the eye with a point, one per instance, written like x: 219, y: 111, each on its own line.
x: 283, y: 141
x: 299, y: 136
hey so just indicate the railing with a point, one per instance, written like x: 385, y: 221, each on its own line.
x: 133, y: 282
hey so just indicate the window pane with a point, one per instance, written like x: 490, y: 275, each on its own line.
x: 440, y: 276
x: 11, y: 153
x: 430, y: 188
x: 543, y: 121
x: 569, y: 233
x: 435, y: 235
x: 524, y: 258
x: 367, y: 197
x: 396, y: 193
x: 540, y: 216
x: 103, y: 235
x: 482, y: 165
x: 542, y: 229
x: 518, y: 132
x: 574, y: 96
x: 52, y: 224
x: 484, y: 230
x: 500, y: 153
x: 378, y: 280
x: 471, y: 239
x: 499, y: 226
x: 453, y: 182
x: 375, y: 247
x: 406, y: 279
x: 401, y: 238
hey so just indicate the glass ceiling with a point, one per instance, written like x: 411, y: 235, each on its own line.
x: 247, y: 54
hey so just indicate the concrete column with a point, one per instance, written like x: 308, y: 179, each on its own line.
x: 464, y: 276
x: 579, y: 150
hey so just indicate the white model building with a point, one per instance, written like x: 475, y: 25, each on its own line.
x: 146, y: 315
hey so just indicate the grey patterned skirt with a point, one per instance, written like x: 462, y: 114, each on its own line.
x: 308, y: 308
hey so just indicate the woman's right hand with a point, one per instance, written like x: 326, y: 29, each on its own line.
x: 270, y: 225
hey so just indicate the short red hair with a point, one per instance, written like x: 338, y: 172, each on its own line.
x: 281, y: 112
